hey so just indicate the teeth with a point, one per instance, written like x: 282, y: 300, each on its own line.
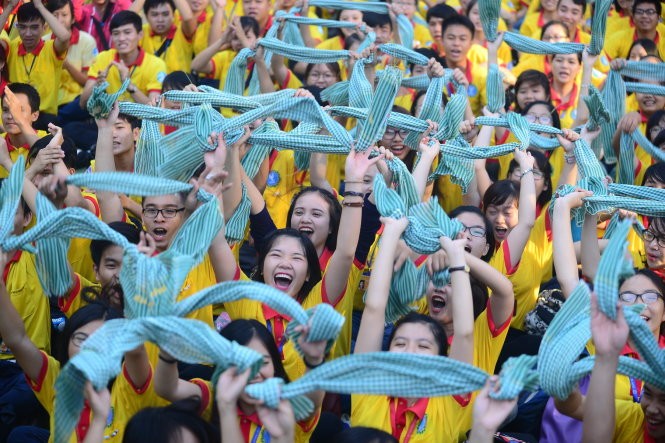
x: 283, y: 276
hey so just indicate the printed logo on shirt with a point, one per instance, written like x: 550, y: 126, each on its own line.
x: 471, y: 91
x: 4, y: 349
x: 422, y: 425
x: 109, y: 419
x: 573, y: 114
x: 273, y: 178
x: 161, y: 75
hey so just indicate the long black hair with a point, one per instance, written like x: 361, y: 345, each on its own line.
x: 334, y: 212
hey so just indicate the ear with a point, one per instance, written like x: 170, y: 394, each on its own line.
x: 35, y: 116
x: 27, y: 218
x: 95, y: 268
x: 135, y: 134
x: 486, y: 249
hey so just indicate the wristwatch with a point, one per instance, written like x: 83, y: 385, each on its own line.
x: 464, y: 268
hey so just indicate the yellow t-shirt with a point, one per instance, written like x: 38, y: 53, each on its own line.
x: 78, y: 254
x: 284, y: 181
x: 147, y: 73
x: 431, y: 420
x: 26, y: 294
x: 200, y: 277
x: 532, y: 26
x: 618, y: 45
x: 126, y: 400
x: 80, y: 54
x: 477, y: 90
x: 73, y: 301
x: 40, y: 68
x: 177, y: 54
x: 629, y: 424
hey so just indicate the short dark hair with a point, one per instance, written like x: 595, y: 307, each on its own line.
x: 654, y: 120
x: 460, y: 20
x: 440, y: 10
x: 553, y: 23
x: 439, y: 334
x: 149, y: 4
x: 656, y: 4
x: 655, y: 172
x: 123, y: 18
x: 427, y: 52
x: 27, y: 12
x: 581, y: 3
x: 247, y: 22
x: 166, y: 423
x: 532, y: 77
x: 87, y: 314
x: 29, y: 91
x: 444, y: 101
x: 374, y: 20
x: 647, y: 44
x: 544, y: 167
x: 133, y: 121
x: 129, y: 231
x: 68, y: 147
x: 333, y: 66
x: 54, y: 5
x: 500, y: 192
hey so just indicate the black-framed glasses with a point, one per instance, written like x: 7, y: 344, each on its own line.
x: 649, y: 236
x: 542, y: 119
x: 648, y: 12
x: 475, y: 231
x: 391, y: 133
x: 166, y: 212
x: 647, y: 298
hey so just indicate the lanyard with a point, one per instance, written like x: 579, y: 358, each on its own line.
x: 282, y: 338
x: 257, y: 432
x: 635, y: 389
x: 32, y: 65
x: 393, y: 422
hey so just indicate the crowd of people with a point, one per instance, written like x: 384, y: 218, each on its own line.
x: 314, y: 231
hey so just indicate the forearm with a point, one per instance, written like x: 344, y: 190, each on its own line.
x: 229, y: 424
x: 279, y: 69
x: 201, y: 63
x: 599, y: 416
x: 421, y: 174
x: 318, y: 167
x: 503, y: 297
x: 462, y: 346
x: 138, y: 96
x: 61, y: 33
x: 215, y: 32
x: 565, y: 262
x: 265, y: 81
x: 78, y: 76
x: 233, y: 195
x: 95, y: 433
x: 85, y: 94
x: 109, y: 202
x: 187, y: 19
x: 589, y: 249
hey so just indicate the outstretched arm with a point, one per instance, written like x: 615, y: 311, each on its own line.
x: 370, y: 335
x: 519, y: 236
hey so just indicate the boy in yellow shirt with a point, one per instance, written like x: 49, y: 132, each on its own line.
x: 164, y: 38
x: 36, y: 62
x: 20, y: 109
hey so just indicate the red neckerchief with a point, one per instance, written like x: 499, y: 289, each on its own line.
x: 467, y: 74
x: 576, y: 39
x: 169, y: 129
x: 276, y: 323
x: 398, y: 410
x: 84, y: 422
x: 5, y: 272
x: 541, y: 23
x: 246, y: 424
x: 558, y: 101
x: 138, y: 60
x: 75, y: 35
x: 440, y: 51
x: 643, y: 118
x: 325, y: 258
x: 646, y: 437
x: 3, y: 85
x: 169, y: 35
x: 10, y: 146
x: 268, y: 25
x: 22, y: 51
x: 202, y: 17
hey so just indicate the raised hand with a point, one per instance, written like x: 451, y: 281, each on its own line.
x: 609, y: 336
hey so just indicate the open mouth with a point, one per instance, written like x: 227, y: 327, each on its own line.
x: 282, y: 281
x: 467, y: 248
x: 159, y: 234
x: 501, y: 232
x: 306, y: 230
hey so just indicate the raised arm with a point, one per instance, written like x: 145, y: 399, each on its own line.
x: 609, y: 338
x: 187, y: 18
x: 370, y: 334
x: 110, y: 204
x: 565, y: 261
x: 230, y: 386
x: 62, y: 34
x: 519, y: 235
x: 355, y: 188
x: 488, y: 413
x: 589, y: 248
x: 588, y: 61
x: 168, y: 383
x: 202, y: 62
x: 429, y: 149
x: 503, y: 297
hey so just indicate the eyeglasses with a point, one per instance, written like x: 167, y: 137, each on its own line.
x: 166, y: 213
x: 542, y: 119
x: 78, y: 338
x: 323, y: 75
x: 475, y: 231
x: 537, y: 175
x: 649, y: 236
x: 648, y: 12
x: 391, y: 133
x: 647, y: 298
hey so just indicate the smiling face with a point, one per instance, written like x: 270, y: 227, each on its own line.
x: 161, y: 228
x: 653, y: 406
x: 267, y: 368
x: 555, y: 33
x: 414, y: 338
x: 124, y: 137
x: 565, y: 68
x: 311, y: 216
x: 571, y: 14
x: 653, y: 313
x: 393, y: 139
x: 285, y: 265
x: 650, y: 103
x: 653, y: 239
x: 350, y: 15
x: 259, y: 10
x: 645, y: 17
x: 81, y: 335
x: 474, y: 226
x: 503, y: 218
x: 529, y: 93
